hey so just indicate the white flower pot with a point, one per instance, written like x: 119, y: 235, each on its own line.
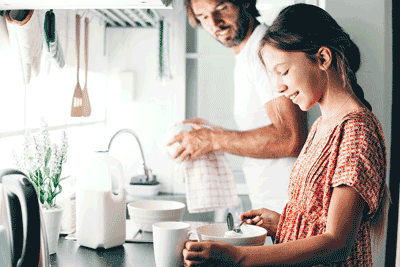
x: 52, y: 222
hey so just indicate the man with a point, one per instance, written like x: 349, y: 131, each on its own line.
x: 273, y: 129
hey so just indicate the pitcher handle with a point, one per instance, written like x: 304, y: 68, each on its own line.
x: 117, y: 165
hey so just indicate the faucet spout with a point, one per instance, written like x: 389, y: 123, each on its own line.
x: 145, y: 169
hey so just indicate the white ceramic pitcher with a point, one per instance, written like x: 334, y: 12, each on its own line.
x: 100, y: 202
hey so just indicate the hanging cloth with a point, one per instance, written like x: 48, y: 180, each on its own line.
x: 164, y: 62
x: 53, y: 45
x: 25, y: 42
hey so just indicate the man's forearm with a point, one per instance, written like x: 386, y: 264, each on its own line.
x: 266, y: 142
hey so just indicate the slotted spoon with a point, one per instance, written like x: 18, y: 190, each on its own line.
x: 76, y: 110
x: 85, y: 97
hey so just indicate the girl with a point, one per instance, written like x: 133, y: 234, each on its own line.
x: 338, y: 181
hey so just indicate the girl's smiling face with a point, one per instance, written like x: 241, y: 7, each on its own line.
x: 295, y: 75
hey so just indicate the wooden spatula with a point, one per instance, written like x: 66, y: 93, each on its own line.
x: 85, y: 96
x: 76, y: 110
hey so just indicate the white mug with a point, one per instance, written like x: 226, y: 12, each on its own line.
x: 196, y: 233
x: 168, y: 241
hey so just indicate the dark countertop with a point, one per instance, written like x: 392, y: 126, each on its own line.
x: 131, y: 253
x: 69, y: 253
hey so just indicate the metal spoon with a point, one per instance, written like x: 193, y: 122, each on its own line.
x: 231, y: 224
x: 229, y: 221
x: 238, y: 230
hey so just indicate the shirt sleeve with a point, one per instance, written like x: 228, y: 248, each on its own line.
x: 361, y: 161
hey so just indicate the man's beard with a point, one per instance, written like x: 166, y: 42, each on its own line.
x: 240, y: 31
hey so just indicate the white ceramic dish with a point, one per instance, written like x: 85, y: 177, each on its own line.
x: 142, y: 190
x: 252, y: 235
x: 144, y: 213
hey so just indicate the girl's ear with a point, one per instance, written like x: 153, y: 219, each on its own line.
x: 324, y: 57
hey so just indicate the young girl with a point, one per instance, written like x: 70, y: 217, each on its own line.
x: 338, y: 181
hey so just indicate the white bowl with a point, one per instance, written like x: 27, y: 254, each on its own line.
x: 252, y: 235
x: 144, y: 213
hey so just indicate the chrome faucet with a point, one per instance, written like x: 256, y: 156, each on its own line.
x: 146, y: 171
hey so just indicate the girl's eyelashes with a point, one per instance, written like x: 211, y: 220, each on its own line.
x: 286, y: 72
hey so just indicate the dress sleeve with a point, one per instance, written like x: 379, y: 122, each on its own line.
x: 360, y: 160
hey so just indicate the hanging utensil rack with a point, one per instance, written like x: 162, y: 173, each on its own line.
x: 128, y: 18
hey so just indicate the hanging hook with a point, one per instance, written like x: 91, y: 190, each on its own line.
x: 87, y: 13
x: 84, y: 14
x: 102, y: 21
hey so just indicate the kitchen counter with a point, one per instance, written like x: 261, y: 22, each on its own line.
x: 69, y: 253
x: 137, y: 254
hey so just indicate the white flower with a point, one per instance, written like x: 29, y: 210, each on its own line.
x: 55, y: 167
x: 64, y: 146
x: 44, y: 135
x: 32, y: 162
x: 38, y: 154
x: 26, y: 151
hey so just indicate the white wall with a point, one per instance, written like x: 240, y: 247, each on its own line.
x: 152, y: 109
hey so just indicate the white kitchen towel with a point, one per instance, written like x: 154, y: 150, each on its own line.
x: 26, y: 44
x: 5, y: 43
x: 210, y: 184
x: 209, y: 181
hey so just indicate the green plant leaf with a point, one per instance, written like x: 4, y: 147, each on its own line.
x: 47, y: 157
x: 60, y: 188
x: 62, y: 179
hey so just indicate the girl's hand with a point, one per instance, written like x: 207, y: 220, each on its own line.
x: 265, y: 218
x: 210, y: 253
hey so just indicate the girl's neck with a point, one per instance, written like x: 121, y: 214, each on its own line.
x: 337, y: 99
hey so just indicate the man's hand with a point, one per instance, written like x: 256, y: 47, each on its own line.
x: 265, y: 218
x: 194, y: 143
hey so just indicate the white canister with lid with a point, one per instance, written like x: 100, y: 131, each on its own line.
x: 100, y: 202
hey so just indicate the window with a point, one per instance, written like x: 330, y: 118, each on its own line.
x: 49, y: 95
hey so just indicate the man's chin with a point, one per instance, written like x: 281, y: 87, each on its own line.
x: 227, y: 43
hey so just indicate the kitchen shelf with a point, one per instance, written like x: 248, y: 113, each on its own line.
x: 85, y: 4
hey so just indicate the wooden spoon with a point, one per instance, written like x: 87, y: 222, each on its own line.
x: 86, y: 103
x: 76, y: 110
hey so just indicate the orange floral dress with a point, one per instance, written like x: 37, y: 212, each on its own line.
x: 351, y: 153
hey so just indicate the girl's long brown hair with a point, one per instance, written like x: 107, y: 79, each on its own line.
x: 306, y: 28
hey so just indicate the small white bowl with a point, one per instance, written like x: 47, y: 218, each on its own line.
x: 252, y: 235
x: 144, y: 213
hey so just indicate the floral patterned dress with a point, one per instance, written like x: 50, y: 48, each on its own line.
x: 351, y: 153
